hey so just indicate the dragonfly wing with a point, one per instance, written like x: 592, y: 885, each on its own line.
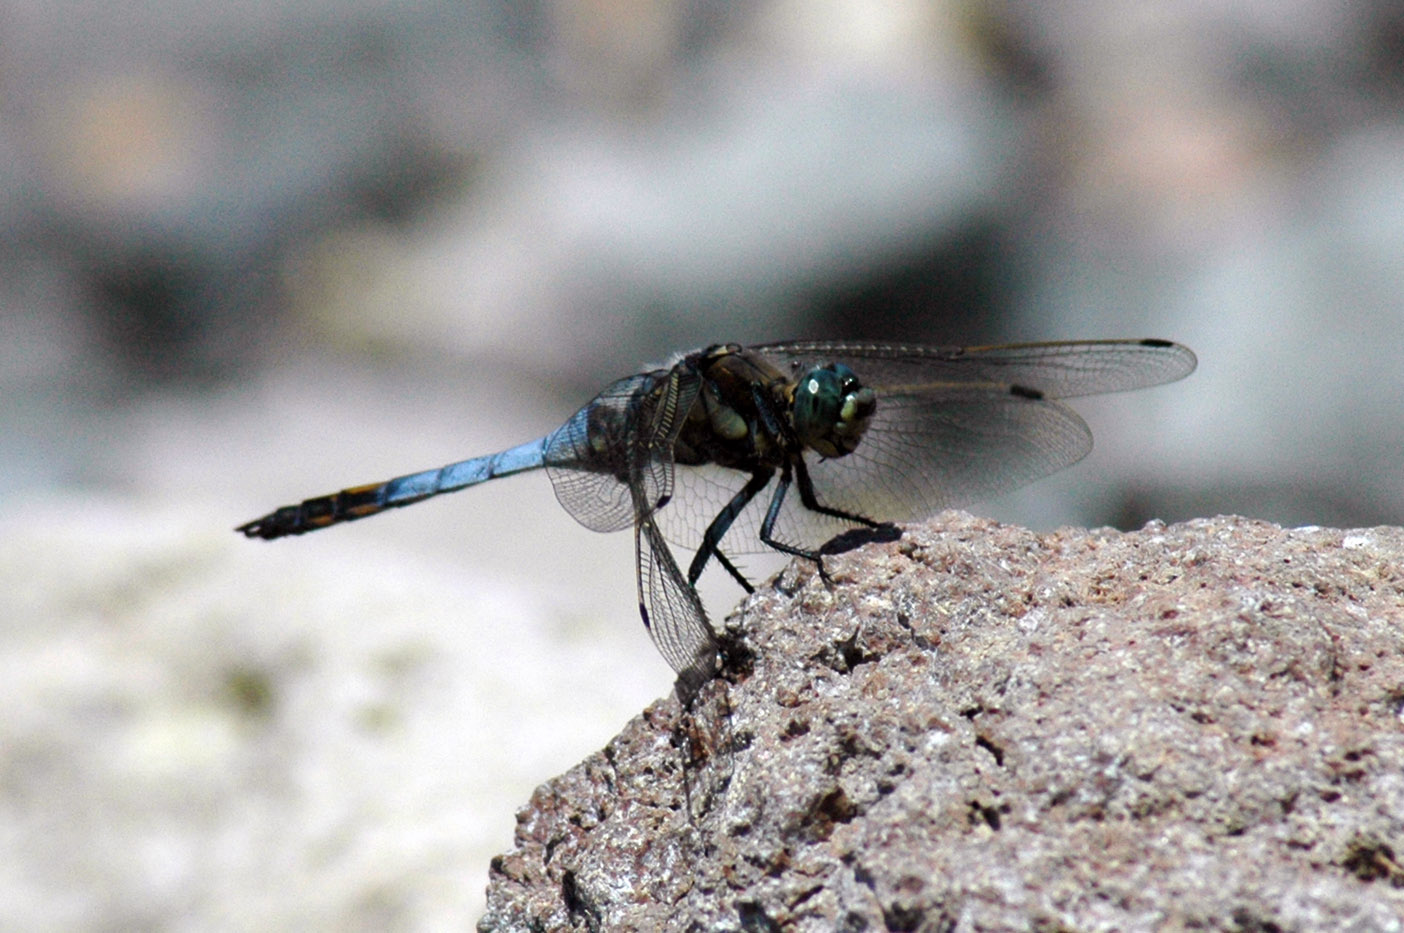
x: 1060, y: 369
x: 928, y: 450
x: 938, y: 448
x: 618, y: 444
x: 953, y: 425
x: 611, y: 466
x: 702, y: 492
x: 672, y: 611
x: 660, y: 420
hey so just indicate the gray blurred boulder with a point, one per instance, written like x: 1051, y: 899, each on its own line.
x: 977, y: 727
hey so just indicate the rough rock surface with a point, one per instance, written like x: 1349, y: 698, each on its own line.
x: 1194, y: 727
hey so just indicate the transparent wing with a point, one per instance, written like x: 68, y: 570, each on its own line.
x: 611, y: 466
x: 1060, y: 369
x: 620, y: 444
x: 672, y: 611
x: 948, y: 446
x: 923, y: 452
x: 950, y: 428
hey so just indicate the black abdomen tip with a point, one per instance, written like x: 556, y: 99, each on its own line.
x: 285, y: 521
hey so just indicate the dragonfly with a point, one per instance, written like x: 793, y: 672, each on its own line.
x: 737, y: 449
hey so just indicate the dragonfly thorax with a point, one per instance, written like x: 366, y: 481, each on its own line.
x: 832, y: 409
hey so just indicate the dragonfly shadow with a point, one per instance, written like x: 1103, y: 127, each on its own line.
x: 854, y: 538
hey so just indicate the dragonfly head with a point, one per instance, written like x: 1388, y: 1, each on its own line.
x: 832, y: 409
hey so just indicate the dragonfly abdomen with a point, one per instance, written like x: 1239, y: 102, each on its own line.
x: 373, y: 498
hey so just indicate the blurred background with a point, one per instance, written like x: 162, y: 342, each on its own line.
x: 254, y: 252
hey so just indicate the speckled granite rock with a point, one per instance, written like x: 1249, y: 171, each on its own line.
x: 1194, y: 727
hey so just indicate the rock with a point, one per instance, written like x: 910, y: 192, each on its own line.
x: 977, y: 727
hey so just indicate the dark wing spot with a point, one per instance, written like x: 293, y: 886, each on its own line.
x: 1157, y: 342
x: 1025, y: 392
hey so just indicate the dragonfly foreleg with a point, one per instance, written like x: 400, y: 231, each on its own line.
x: 811, y: 502
x: 711, y: 539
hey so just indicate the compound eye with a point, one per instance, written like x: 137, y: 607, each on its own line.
x: 832, y: 410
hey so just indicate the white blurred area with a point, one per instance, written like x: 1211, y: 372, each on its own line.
x: 261, y: 251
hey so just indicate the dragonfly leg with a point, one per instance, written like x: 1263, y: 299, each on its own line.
x: 811, y: 502
x: 775, y: 424
x: 772, y: 514
x: 736, y: 575
x: 711, y: 539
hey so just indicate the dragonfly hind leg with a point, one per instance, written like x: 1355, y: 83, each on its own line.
x: 711, y: 539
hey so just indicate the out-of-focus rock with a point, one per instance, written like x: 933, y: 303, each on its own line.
x: 203, y: 732
x: 977, y: 727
